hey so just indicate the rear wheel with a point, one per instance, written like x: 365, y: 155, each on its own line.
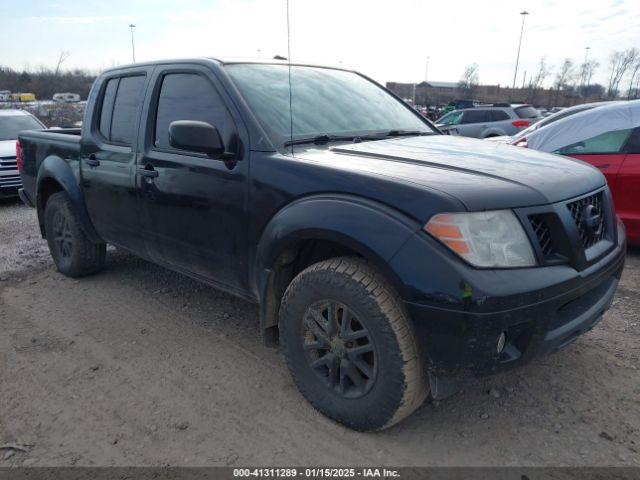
x: 349, y: 345
x: 73, y: 252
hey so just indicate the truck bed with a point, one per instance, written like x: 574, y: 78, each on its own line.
x: 39, y: 145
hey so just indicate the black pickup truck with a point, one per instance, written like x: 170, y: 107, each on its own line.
x: 390, y: 262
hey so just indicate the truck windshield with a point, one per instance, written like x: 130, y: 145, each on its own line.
x: 326, y: 103
x: 12, y: 125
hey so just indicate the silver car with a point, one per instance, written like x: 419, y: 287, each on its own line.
x: 486, y: 122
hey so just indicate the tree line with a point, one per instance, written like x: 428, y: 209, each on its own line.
x: 623, y: 77
x: 44, y: 82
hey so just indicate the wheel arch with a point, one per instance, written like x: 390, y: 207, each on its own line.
x: 55, y: 175
x: 318, y: 228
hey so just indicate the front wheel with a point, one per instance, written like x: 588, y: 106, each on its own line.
x: 73, y: 252
x: 349, y: 345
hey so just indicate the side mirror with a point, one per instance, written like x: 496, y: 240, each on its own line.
x: 196, y: 136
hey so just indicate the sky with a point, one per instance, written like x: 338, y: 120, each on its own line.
x: 387, y: 40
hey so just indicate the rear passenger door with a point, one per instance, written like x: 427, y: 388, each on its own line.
x: 501, y: 124
x: 194, y: 206
x: 474, y: 122
x: 108, y: 154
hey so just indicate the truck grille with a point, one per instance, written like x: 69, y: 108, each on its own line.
x: 589, y: 216
x: 541, y: 229
x: 8, y: 163
x: 10, y: 181
x: 9, y: 176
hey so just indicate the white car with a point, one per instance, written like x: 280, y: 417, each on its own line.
x: 12, y: 122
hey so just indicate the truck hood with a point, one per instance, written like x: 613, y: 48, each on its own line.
x: 7, y: 148
x: 481, y: 174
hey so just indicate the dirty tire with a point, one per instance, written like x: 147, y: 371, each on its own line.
x: 399, y: 386
x: 72, y: 251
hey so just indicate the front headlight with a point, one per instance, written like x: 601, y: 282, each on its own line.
x: 484, y: 239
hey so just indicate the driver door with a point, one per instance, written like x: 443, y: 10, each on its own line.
x: 194, y: 206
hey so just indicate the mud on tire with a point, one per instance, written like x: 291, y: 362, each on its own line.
x: 72, y: 251
x: 349, y: 345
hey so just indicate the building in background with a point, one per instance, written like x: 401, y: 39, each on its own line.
x: 441, y: 93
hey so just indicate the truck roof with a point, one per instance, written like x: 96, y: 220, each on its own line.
x: 223, y: 61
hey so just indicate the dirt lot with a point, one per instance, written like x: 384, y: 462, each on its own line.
x: 142, y: 366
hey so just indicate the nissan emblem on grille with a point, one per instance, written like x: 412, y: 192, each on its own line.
x: 592, y: 220
x: 589, y: 216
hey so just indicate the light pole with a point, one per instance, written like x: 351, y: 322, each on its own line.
x: 133, y: 45
x: 426, y: 70
x: 524, y: 13
x: 585, y: 68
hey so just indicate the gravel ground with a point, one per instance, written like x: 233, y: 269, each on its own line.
x: 142, y: 366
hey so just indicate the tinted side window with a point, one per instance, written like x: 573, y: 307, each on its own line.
x: 633, y: 143
x: 107, y: 107
x: 608, y: 142
x: 476, y: 116
x: 499, y: 115
x: 187, y: 96
x: 125, y: 109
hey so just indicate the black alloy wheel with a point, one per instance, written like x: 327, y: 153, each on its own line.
x: 339, y: 349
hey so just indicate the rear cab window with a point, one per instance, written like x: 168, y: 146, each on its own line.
x: 119, y: 109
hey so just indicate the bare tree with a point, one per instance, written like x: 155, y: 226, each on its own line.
x: 619, y: 63
x: 536, y: 81
x: 64, y: 55
x: 587, y: 69
x: 634, y: 73
x: 469, y: 80
x: 563, y: 77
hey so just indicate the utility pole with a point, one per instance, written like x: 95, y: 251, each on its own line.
x: 585, y: 67
x: 133, y: 45
x: 524, y: 13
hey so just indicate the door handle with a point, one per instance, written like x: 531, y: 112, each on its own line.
x: 92, y: 160
x: 603, y: 166
x: 148, y: 171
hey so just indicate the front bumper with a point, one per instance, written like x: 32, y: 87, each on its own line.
x: 459, y: 312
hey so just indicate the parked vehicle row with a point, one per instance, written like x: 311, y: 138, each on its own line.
x: 67, y: 97
x: 390, y: 262
x: 490, y: 121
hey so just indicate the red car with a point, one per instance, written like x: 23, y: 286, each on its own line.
x: 608, y: 138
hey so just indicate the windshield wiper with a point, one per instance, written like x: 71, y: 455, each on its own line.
x: 405, y: 133
x: 324, y: 139
x: 320, y: 139
x: 394, y: 133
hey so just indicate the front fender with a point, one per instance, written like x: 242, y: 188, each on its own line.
x: 372, y: 229
x: 369, y: 228
x: 54, y: 168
